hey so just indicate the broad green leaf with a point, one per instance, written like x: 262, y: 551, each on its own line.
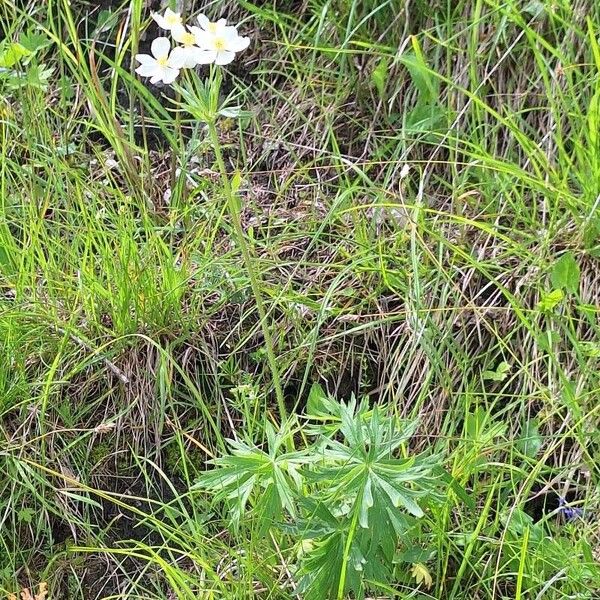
x: 571, y: 398
x: 105, y: 20
x: 425, y: 118
x: 11, y: 55
x: 475, y: 422
x: 453, y: 484
x: 315, y: 405
x: 593, y: 119
x: 550, y: 300
x: 500, y: 374
x: 591, y: 237
x: 531, y: 440
x: 34, y: 41
x: 422, y: 77
x: 534, y: 8
x: 268, y: 510
x: 366, y: 504
x: 379, y: 76
x: 481, y: 428
x: 35, y: 76
x: 516, y: 521
x: 236, y: 182
x: 415, y: 554
x: 548, y: 339
x: 321, y: 568
x: 5, y: 260
x: 565, y: 273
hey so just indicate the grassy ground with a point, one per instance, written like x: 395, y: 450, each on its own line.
x: 462, y: 293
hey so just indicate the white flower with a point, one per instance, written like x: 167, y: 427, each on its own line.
x: 188, y: 52
x: 219, y: 41
x: 163, y: 65
x: 209, y: 26
x: 169, y: 20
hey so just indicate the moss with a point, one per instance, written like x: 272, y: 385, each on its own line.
x: 100, y: 451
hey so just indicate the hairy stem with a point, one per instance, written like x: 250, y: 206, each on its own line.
x: 239, y: 232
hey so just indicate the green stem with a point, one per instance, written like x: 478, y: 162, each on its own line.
x: 239, y: 232
x: 347, y: 548
x: 181, y: 152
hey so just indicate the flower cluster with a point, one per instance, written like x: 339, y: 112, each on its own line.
x: 199, y: 45
x: 568, y: 512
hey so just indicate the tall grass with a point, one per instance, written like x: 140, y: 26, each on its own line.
x: 462, y: 293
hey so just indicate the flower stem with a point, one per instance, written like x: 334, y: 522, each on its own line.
x: 239, y: 232
x: 347, y: 549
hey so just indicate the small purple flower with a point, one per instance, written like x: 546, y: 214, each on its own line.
x: 568, y: 512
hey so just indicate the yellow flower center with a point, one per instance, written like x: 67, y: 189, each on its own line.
x: 173, y: 20
x: 220, y: 44
x: 163, y: 61
x: 188, y: 39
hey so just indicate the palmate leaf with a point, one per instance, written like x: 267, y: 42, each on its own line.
x: 353, y: 497
x: 316, y: 521
x: 371, y: 552
x: 267, y: 480
x: 364, y: 467
x: 364, y: 479
x: 324, y: 413
x: 321, y: 569
x: 323, y: 561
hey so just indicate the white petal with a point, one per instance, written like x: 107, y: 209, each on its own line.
x: 204, y: 57
x: 160, y: 47
x: 173, y: 19
x: 179, y: 57
x: 148, y: 70
x: 170, y: 75
x: 203, y: 20
x: 238, y: 44
x: 190, y: 62
x: 224, y: 57
x: 160, y: 20
x: 229, y: 33
x: 221, y: 23
x: 178, y: 32
x: 156, y: 78
x: 203, y: 39
x: 145, y: 59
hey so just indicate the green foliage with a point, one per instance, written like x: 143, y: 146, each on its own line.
x: 565, y: 273
x: 18, y: 65
x: 551, y: 300
x: 352, y: 496
x: 545, y: 555
x: 499, y: 374
x: 531, y: 440
x: 11, y: 54
x: 202, y: 99
x: 271, y: 477
x: 417, y: 186
x: 380, y: 75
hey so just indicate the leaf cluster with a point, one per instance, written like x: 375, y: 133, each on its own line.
x: 351, y: 501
